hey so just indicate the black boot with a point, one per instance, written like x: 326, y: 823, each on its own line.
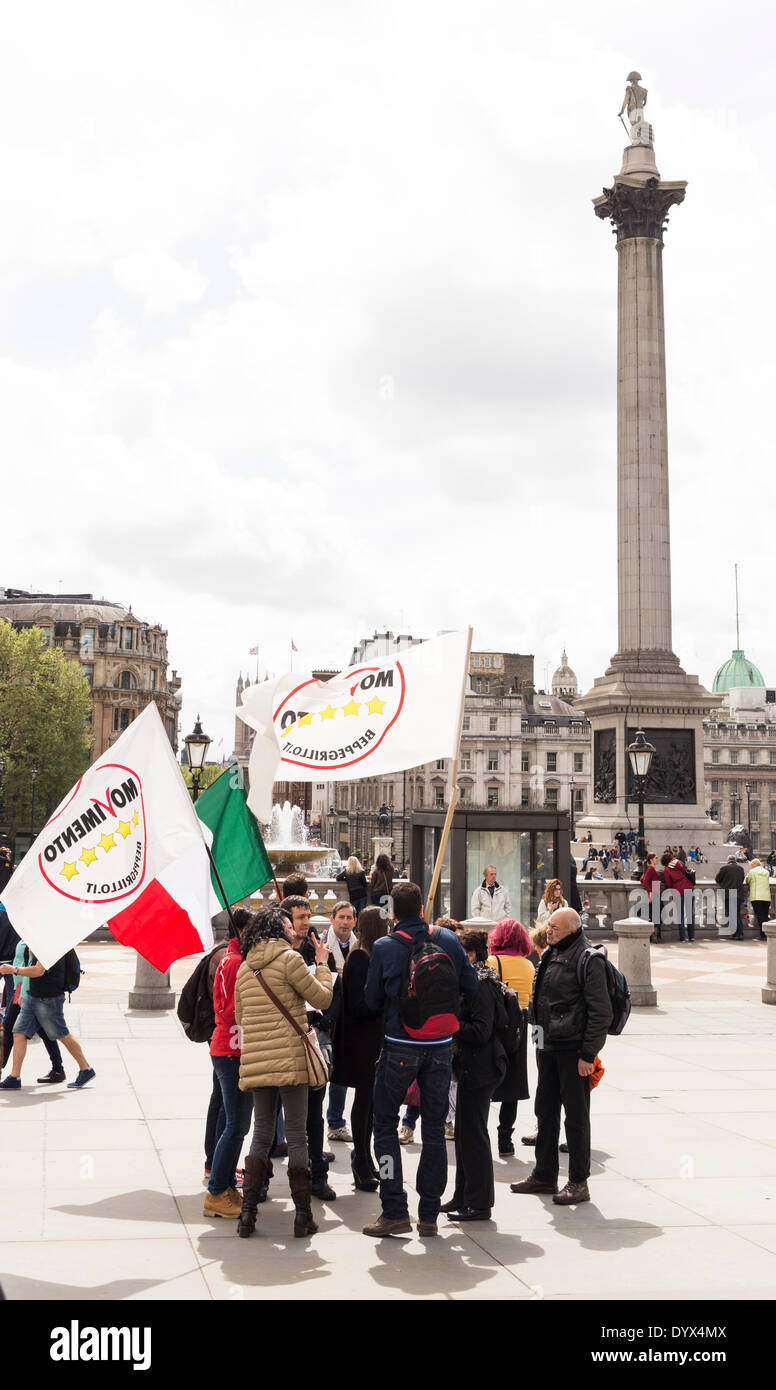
x: 300, y: 1182
x: 254, y: 1181
x: 363, y: 1174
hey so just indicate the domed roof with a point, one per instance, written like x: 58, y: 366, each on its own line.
x: 564, y: 679
x: 738, y: 670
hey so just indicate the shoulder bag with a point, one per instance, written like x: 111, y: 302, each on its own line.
x: 317, y: 1068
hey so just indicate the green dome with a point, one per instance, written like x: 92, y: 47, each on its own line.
x: 738, y: 670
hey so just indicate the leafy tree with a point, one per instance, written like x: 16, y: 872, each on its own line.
x: 45, y: 723
x: 209, y: 773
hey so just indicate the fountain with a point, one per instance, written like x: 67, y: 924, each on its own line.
x: 286, y: 840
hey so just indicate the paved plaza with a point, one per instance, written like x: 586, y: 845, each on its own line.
x: 104, y: 1187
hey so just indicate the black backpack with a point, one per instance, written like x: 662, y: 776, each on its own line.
x: 195, y: 1006
x: 430, y: 997
x: 73, y: 973
x: 616, y: 983
x: 511, y: 1030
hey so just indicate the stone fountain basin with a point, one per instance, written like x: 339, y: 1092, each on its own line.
x: 287, y: 857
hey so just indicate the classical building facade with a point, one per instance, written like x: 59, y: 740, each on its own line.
x: 122, y: 657
x: 740, y: 751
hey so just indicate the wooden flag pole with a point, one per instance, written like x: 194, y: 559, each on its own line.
x: 454, y: 797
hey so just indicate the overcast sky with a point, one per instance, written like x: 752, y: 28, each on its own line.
x: 307, y: 325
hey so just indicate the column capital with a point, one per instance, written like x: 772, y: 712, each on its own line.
x: 639, y: 208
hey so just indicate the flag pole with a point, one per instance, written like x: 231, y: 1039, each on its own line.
x: 454, y: 795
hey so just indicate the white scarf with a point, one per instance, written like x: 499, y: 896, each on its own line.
x: 335, y: 949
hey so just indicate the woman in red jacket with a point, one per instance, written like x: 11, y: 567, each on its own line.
x: 675, y: 876
x: 653, y: 883
x: 222, y: 1198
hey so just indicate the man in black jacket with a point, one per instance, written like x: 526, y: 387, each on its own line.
x: 731, y: 878
x: 571, y: 1016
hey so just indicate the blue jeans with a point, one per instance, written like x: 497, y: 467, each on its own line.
x: 216, y: 1119
x: 398, y: 1065
x: 238, y: 1107
x: 335, y: 1113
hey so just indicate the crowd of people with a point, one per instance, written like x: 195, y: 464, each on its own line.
x: 433, y: 1021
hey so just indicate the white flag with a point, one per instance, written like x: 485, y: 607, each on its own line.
x: 124, y: 847
x: 375, y: 718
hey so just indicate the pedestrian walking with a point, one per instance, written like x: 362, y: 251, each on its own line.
x: 42, y: 1009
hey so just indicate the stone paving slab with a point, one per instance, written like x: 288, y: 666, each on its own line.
x: 683, y: 1177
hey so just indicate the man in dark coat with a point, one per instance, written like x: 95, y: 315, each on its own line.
x: 731, y: 878
x: 571, y: 1012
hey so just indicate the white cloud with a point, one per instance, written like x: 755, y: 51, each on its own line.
x: 276, y: 212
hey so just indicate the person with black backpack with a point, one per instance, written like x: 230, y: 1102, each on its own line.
x: 571, y: 1013
x: 417, y: 974
x: 42, y: 1008
x: 479, y: 1063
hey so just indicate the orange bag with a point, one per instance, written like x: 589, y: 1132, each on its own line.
x: 596, y: 1073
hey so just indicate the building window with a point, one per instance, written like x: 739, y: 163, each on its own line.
x: 125, y: 681
x: 466, y: 761
x: 493, y: 796
x: 463, y: 796
x: 497, y: 662
x: 715, y: 755
x: 524, y: 797
x: 754, y: 786
x: 439, y: 796
x: 552, y: 762
x: 486, y: 662
x: 87, y: 644
x: 773, y: 757
x: 551, y: 798
x: 88, y: 674
x: 715, y: 810
x: 419, y: 795
x: 525, y: 762
x: 493, y: 760
x: 773, y: 811
x: 46, y: 631
x: 466, y: 723
x: 126, y: 641
x: 122, y: 718
x: 440, y: 765
x: 755, y: 811
x: 754, y: 755
x: 492, y: 723
x: 477, y: 661
x: 153, y: 679
x: 579, y: 762
x: 734, y: 789
x: 714, y: 786
x: 579, y: 799
x: 734, y: 755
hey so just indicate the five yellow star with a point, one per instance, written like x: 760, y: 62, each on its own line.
x: 69, y: 871
x: 328, y: 712
x: 351, y: 707
x: 107, y: 842
x: 124, y: 829
x: 135, y: 818
x: 375, y: 706
x: 88, y: 856
x: 305, y: 719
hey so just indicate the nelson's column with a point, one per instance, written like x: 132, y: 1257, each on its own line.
x: 644, y: 685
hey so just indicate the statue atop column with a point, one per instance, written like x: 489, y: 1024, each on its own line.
x: 634, y: 101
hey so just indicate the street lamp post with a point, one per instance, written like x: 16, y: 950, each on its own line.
x: 572, y: 785
x: 641, y: 753
x: 33, y: 779
x: 197, y: 744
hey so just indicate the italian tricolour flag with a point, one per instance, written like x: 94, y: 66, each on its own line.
x: 126, y: 848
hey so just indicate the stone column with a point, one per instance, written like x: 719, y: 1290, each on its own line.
x: 152, y: 987
x: 638, y: 207
x: 769, y: 992
x: 634, y: 960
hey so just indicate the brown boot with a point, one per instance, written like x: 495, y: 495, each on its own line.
x: 571, y: 1193
x: 256, y: 1170
x: 300, y: 1181
x: 533, y: 1184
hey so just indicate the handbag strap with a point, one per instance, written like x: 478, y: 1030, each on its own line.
x: 289, y: 1017
x: 498, y: 963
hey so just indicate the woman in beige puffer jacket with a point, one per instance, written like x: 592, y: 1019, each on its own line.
x: 273, y: 1059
